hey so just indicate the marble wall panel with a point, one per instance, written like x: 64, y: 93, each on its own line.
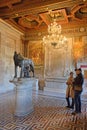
x: 55, y: 63
x: 10, y: 40
x: 58, y: 60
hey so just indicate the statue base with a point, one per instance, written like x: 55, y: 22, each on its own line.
x: 23, y: 96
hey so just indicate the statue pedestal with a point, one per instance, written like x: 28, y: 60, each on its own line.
x: 23, y: 96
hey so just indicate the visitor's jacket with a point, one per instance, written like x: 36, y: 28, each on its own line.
x: 78, y: 81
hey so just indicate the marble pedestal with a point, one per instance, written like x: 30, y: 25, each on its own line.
x: 23, y: 96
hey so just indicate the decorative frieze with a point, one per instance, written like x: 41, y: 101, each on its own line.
x: 68, y: 32
x: 76, y: 31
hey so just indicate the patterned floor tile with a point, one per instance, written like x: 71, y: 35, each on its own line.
x: 49, y: 113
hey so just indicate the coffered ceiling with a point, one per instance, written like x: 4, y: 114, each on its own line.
x: 27, y: 15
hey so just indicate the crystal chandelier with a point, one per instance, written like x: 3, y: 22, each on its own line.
x: 54, y: 37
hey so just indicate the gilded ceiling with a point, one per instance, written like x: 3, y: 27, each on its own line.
x: 27, y: 15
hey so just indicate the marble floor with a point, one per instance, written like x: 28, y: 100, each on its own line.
x: 49, y: 113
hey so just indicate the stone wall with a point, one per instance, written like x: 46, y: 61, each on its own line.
x: 10, y: 40
x: 50, y: 62
x: 36, y: 53
x: 58, y: 61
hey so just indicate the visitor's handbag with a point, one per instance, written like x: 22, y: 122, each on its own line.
x: 78, y: 88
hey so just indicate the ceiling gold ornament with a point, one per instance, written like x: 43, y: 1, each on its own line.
x: 28, y: 16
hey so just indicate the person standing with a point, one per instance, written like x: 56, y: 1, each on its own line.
x: 70, y: 91
x: 15, y: 57
x: 78, y: 88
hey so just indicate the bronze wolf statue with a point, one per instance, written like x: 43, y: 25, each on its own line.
x: 25, y: 64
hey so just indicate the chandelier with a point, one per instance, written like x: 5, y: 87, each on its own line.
x: 54, y: 37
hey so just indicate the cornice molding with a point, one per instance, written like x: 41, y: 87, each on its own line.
x: 74, y: 32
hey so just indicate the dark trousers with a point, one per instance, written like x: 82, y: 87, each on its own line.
x: 15, y: 71
x: 68, y: 102
x: 78, y: 101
